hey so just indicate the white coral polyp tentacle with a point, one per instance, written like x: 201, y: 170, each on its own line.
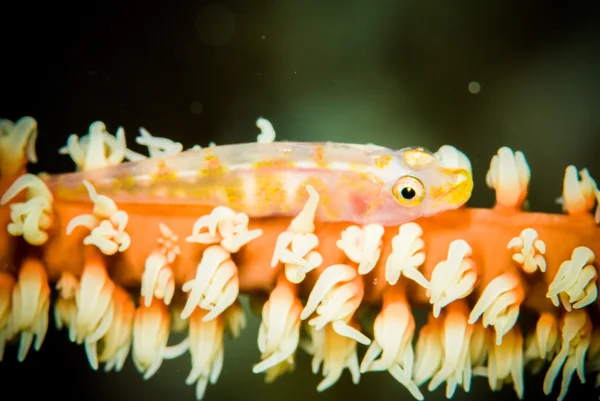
x: 104, y: 207
x: 576, y: 332
x: 499, y: 304
x: 215, y: 286
x: 205, y: 230
x: 107, y: 224
x: 108, y: 239
x: 116, y: 343
x: 30, y: 306
x: 542, y: 344
x: 7, y: 284
x: 407, y: 256
x: 97, y: 149
x: 505, y: 363
x: 334, y: 299
x: 362, y: 245
x: 429, y: 350
x: 593, y: 355
x: 444, y: 350
x: 575, y: 282
x: 33, y: 217
x: 334, y: 352
x: 456, y: 365
x: 151, y: 326
x: 235, y: 319
x: 65, y: 306
x: 393, y: 331
x: 168, y: 243
x: 453, y: 278
x: 479, y: 346
x: 17, y: 145
x: 225, y: 227
x: 296, y: 251
x: 158, y: 147
x: 267, y: 132
x: 95, y: 310
x: 206, y: 350
x: 295, y: 248
x: 509, y: 176
x: 579, y: 195
x: 530, y: 251
x: 158, y: 280
x: 32, y: 185
x: 279, y: 332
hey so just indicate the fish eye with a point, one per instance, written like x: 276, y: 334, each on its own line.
x: 408, y: 191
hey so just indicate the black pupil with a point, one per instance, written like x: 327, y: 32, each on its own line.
x: 408, y: 193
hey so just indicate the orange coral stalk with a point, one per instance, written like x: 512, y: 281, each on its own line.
x: 486, y: 230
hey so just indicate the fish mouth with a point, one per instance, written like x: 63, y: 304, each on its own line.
x: 454, y: 193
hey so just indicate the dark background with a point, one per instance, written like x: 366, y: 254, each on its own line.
x: 390, y: 72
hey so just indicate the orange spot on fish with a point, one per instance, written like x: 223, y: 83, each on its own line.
x: 383, y: 161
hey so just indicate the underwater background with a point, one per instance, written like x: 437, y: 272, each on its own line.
x: 475, y: 75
